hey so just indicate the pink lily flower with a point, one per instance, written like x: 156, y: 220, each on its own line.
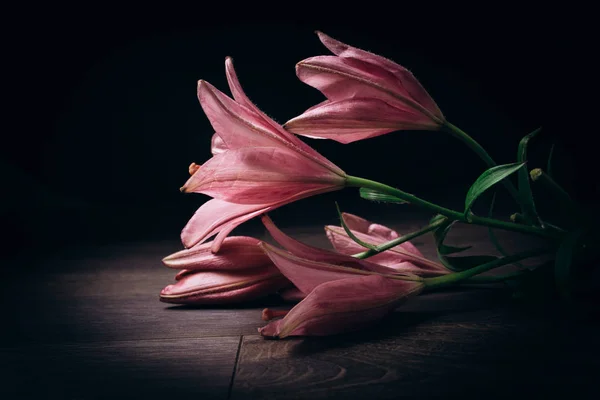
x: 342, y: 305
x: 256, y: 165
x: 240, y: 272
x: 367, y: 96
x: 323, y: 264
x: 403, y: 258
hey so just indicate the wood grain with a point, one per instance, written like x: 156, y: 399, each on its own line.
x: 110, y: 294
x: 485, y: 354
x: 120, y: 370
x: 86, y: 323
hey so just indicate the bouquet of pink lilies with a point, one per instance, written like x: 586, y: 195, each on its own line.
x: 259, y: 165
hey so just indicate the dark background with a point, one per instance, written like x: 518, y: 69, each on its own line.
x: 103, y: 119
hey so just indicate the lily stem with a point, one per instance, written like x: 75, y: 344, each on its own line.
x: 480, y: 151
x: 495, y: 279
x: 398, y: 241
x: 441, y: 281
x: 455, y: 215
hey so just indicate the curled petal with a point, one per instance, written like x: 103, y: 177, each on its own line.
x: 403, y: 258
x: 236, y: 252
x: 356, y: 223
x: 342, y: 306
x: 182, y: 273
x: 261, y: 174
x: 376, y: 231
x: 240, y: 125
x: 307, y: 274
x: 311, y: 253
x: 236, y: 125
x: 217, y: 217
x: 221, y: 217
x: 217, y: 145
x: 240, y: 96
x: 340, y: 79
x: 350, y: 120
x: 224, y: 287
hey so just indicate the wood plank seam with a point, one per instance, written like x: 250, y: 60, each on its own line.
x: 235, y: 366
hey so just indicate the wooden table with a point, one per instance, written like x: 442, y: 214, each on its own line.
x: 87, y: 324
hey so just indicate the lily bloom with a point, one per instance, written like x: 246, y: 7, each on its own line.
x: 342, y: 306
x: 240, y: 272
x: 367, y: 96
x: 403, y: 258
x: 256, y: 165
x: 307, y: 266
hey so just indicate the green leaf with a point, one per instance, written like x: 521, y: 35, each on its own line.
x: 349, y: 232
x: 488, y: 179
x: 455, y: 263
x: 436, y: 218
x: 564, y: 261
x: 440, y: 234
x: 525, y: 194
x: 374, y: 195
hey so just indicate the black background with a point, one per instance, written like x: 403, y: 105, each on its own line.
x: 103, y: 119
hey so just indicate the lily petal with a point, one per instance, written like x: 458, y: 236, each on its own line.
x: 217, y: 145
x: 356, y: 223
x: 340, y: 79
x: 224, y: 287
x: 408, y: 80
x: 350, y: 120
x: 342, y: 306
x: 403, y: 258
x: 348, y: 79
x: 240, y: 96
x: 311, y: 253
x: 217, y: 217
x: 260, y: 174
x: 236, y: 252
x: 307, y: 274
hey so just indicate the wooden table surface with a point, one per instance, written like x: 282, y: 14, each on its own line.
x: 87, y: 324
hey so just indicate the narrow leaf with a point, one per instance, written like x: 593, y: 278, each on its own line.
x: 349, y: 232
x: 456, y: 263
x: 488, y: 179
x: 525, y: 194
x: 440, y: 235
x: 374, y: 195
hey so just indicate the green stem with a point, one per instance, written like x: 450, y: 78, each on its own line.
x: 455, y: 215
x: 400, y: 240
x: 495, y: 279
x: 480, y: 151
x: 441, y: 281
